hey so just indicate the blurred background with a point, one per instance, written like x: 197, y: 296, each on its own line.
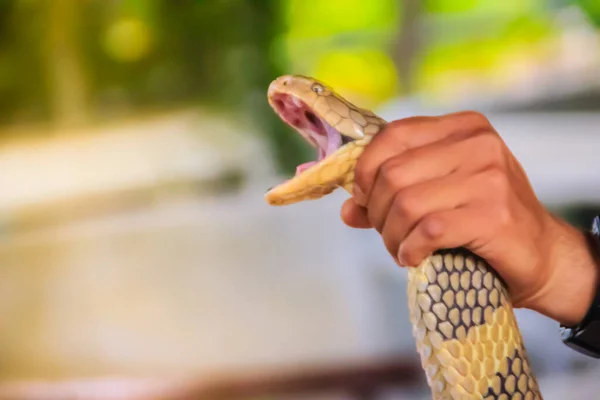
x: 138, y: 258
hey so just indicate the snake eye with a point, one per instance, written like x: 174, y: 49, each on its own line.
x: 317, y: 88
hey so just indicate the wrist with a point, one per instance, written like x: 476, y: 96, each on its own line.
x: 572, y: 261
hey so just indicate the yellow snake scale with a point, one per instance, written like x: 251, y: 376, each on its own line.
x: 462, y: 318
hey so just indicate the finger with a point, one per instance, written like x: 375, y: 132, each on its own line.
x: 414, y: 203
x: 432, y: 161
x: 401, y: 135
x: 354, y: 215
x: 460, y: 227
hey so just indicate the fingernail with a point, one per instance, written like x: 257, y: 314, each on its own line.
x: 401, y: 260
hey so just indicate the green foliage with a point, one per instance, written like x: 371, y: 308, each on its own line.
x: 484, y: 7
x: 450, y: 6
x: 480, y: 41
x: 148, y: 54
x: 23, y: 93
x: 591, y: 9
x: 318, y: 18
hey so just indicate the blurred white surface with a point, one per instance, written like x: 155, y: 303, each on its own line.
x: 201, y: 285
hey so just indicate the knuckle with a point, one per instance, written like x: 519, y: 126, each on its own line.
x: 408, y: 122
x: 404, y: 129
x: 395, y: 125
x: 394, y: 129
x: 492, y: 145
x: 393, y: 174
x: 407, y: 205
x: 476, y: 118
x: 497, y: 180
x: 387, y: 171
x: 433, y: 228
x: 502, y: 215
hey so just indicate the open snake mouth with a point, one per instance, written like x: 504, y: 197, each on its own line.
x: 318, y: 132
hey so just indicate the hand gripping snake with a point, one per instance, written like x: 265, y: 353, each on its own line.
x: 462, y: 317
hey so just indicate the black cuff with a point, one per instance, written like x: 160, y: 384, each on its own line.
x: 585, y: 336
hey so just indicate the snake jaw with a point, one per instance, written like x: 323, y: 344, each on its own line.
x: 336, y: 128
x: 313, y: 128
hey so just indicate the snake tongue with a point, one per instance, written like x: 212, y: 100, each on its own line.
x: 334, y: 140
x: 326, y: 144
x: 328, y: 140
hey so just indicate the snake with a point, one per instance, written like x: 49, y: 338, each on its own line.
x: 463, y: 322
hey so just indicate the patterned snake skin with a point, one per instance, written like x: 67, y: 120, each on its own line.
x: 462, y: 318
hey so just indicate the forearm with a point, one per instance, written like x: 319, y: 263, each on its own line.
x: 573, y: 282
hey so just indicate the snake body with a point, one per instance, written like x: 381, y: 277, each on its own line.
x: 462, y: 317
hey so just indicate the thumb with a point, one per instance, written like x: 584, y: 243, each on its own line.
x: 354, y: 215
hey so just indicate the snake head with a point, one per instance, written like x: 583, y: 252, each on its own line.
x: 318, y: 112
x: 328, y: 122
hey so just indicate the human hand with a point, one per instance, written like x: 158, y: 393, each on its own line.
x: 426, y: 183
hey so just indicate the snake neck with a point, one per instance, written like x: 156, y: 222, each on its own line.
x: 466, y: 331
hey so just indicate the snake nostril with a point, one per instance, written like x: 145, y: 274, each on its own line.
x: 285, y: 80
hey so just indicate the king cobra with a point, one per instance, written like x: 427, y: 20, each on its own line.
x: 463, y: 322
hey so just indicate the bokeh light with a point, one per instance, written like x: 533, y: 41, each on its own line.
x: 366, y: 77
x: 128, y: 40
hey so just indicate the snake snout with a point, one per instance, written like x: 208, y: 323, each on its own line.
x: 279, y: 83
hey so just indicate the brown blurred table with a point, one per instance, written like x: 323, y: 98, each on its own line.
x: 360, y: 381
